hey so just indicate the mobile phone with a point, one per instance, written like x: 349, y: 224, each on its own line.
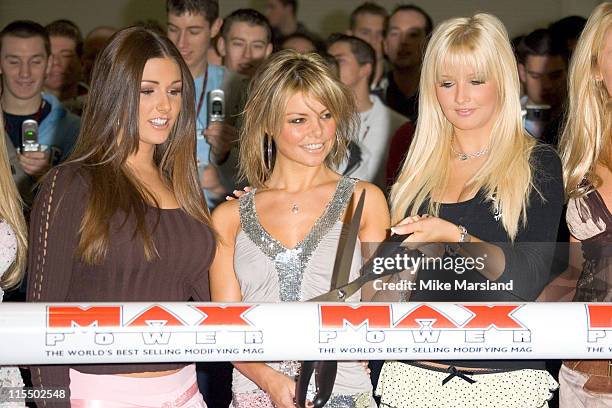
x: 29, y: 136
x: 216, y: 106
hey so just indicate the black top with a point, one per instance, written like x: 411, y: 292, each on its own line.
x: 528, y: 260
x: 552, y: 131
x: 396, y: 100
x: 12, y: 123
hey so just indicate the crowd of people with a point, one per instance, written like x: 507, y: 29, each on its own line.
x: 212, y: 158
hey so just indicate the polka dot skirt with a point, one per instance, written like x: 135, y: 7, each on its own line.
x: 406, y: 386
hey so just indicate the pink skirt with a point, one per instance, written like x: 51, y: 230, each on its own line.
x: 113, y: 391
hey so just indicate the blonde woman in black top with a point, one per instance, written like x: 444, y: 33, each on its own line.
x: 473, y: 174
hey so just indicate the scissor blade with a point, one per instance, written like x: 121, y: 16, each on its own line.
x: 342, y: 267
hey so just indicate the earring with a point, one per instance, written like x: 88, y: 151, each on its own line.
x: 334, y: 150
x: 268, y: 151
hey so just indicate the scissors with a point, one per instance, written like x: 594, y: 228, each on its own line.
x: 342, y: 289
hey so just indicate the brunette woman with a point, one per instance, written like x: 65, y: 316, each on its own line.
x: 124, y: 219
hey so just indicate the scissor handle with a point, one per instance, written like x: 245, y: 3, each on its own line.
x: 301, y: 387
x: 325, y: 377
x: 387, y: 249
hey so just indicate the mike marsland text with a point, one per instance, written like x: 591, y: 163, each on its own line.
x: 437, y: 285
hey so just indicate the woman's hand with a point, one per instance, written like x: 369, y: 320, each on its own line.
x: 426, y: 228
x: 281, y: 389
x: 427, y: 233
x: 238, y: 193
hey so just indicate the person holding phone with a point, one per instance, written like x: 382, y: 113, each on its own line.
x: 191, y: 26
x: 25, y: 60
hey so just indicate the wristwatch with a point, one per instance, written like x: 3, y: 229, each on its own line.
x: 464, y: 236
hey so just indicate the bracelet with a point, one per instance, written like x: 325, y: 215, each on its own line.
x: 464, y: 236
x: 453, y: 249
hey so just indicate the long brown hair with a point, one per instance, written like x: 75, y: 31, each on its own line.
x: 112, y: 110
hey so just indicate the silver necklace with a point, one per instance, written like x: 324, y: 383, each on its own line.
x: 295, y: 208
x: 464, y: 156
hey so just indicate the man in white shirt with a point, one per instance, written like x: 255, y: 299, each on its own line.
x: 369, y: 149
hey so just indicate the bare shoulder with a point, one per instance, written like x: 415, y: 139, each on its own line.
x: 375, y: 220
x: 374, y: 195
x: 226, y: 218
x: 376, y: 208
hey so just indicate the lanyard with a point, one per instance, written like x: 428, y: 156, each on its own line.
x: 202, y: 94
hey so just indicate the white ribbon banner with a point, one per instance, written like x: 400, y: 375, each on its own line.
x: 63, y: 333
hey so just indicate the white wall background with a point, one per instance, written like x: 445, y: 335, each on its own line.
x: 323, y: 16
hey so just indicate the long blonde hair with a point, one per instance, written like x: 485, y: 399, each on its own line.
x: 586, y: 137
x: 481, y: 43
x: 11, y: 211
x: 284, y: 74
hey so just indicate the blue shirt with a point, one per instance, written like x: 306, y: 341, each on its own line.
x: 216, y: 75
x: 215, y: 81
x: 58, y: 128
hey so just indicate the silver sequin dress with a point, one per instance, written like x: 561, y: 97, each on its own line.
x: 269, y: 272
x: 9, y: 376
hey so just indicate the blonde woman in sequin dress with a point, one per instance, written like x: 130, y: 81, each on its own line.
x: 13, y: 247
x: 279, y: 241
